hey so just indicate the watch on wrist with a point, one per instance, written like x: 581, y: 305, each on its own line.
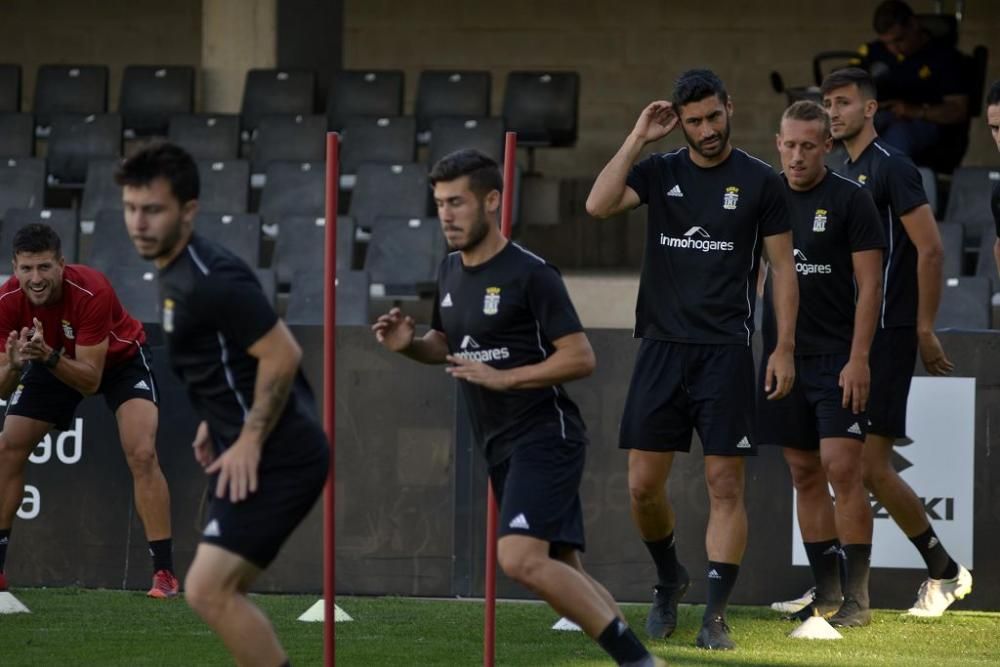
x: 52, y: 359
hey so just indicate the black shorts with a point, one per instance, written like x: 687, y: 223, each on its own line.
x: 256, y: 528
x: 893, y: 358
x: 813, y: 410
x: 538, y: 491
x: 677, y: 388
x: 41, y: 395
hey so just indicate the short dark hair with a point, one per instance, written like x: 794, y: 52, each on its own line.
x: 37, y: 237
x: 162, y: 160
x: 808, y: 110
x: 850, y: 76
x: 993, y: 97
x: 482, y: 170
x: 891, y: 13
x: 695, y: 85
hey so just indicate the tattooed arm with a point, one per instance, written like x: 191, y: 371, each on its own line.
x: 278, y: 356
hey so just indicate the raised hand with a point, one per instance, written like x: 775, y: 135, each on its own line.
x: 655, y: 122
x: 394, y: 330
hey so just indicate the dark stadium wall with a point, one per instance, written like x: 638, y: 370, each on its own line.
x: 310, y: 35
x: 411, y: 491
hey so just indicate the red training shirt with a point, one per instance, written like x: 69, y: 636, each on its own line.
x: 88, y: 312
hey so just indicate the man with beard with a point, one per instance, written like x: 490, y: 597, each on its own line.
x: 712, y: 208
x: 260, y: 439
x: 910, y: 297
x: 821, y: 425
x: 504, y: 322
x: 68, y: 336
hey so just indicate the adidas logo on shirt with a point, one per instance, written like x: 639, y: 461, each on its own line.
x: 855, y: 429
x: 141, y: 384
x: 446, y: 301
x: 675, y: 192
x: 714, y: 574
x: 212, y: 529
x: 519, y: 522
x: 744, y: 443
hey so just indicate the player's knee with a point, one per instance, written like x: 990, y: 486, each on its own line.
x: 206, y: 599
x: 725, y: 485
x: 142, y: 459
x: 875, y: 475
x: 807, y: 476
x: 843, y: 473
x: 520, y: 565
x: 645, y: 489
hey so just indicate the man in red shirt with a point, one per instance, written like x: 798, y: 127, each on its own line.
x: 68, y: 336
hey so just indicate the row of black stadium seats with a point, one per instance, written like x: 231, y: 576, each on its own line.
x: 541, y: 106
x: 77, y: 138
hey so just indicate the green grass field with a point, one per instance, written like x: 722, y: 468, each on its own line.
x: 85, y: 628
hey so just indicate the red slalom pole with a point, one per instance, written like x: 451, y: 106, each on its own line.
x: 329, y: 395
x: 506, y: 225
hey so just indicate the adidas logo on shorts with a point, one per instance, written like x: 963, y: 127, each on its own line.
x: 744, y: 443
x: 519, y: 522
x: 212, y: 529
x: 855, y: 429
x: 141, y: 384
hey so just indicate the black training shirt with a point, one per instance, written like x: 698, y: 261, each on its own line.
x: 213, y: 311
x: 896, y: 187
x: 704, y: 236
x: 995, y: 206
x: 506, y: 312
x: 829, y: 222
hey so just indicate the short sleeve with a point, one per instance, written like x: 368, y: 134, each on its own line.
x: 95, y: 318
x: 994, y: 206
x: 903, y: 184
x: 640, y: 177
x: 773, y: 215
x: 235, y: 304
x: 550, y: 303
x: 864, y: 224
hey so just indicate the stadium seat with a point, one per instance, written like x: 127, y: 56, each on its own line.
x: 293, y: 138
x: 376, y: 93
x: 305, y: 299
x: 969, y: 200
x: 268, y: 283
x: 137, y: 289
x: 986, y: 265
x: 451, y: 134
x: 239, y: 233
x: 965, y: 304
x: 301, y: 243
x: 207, y: 136
x: 276, y: 91
x: 384, y: 190
x: 17, y: 135
x: 22, y: 183
x: 76, y: 139
x: 99, y: 190
x: 953, y: 240
x: 385, y: 140
x: 151, y: 94
x: 403, y: 256
x: 62, y: 220
x: 69, y: 89
x: 451, y: 94
x: 109, y: 243
x: 929, y: 181
x: 542, y: 107
x: 10, y: 88
x: 225, y: 186
x: 293, y: 189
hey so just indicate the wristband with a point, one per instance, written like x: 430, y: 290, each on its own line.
x: 52, y: 359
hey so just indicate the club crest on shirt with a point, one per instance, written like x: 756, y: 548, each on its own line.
x: 168, y: 315
x: 819, y: 221
x: 731, y: 198
x: 491, y: 302
x: 862, y: 179
x: 16, y: 396
x: 68, y: 330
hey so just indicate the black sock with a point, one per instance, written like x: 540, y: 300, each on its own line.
x: 664, y: 554
x: 621, y: 644
x: 721, y: 579
x: 4, y: 540
x: 163, y: 555
x: 939, y: 563
x: 824, y: 559
x: 858, y: 558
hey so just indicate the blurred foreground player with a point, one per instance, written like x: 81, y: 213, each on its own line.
x: 259, y: 438
x: 68, y: 336
x: 504, y: 322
